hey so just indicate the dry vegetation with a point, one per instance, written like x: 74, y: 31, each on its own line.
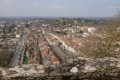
x: 5, y: 57
x: 107, y: 44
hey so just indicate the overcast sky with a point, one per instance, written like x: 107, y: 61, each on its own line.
x: 81, y: 8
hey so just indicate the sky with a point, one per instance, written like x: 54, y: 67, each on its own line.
x: 74, y: 8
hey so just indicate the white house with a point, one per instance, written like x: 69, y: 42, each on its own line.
x: 91, y: 29
x: 17, y: 36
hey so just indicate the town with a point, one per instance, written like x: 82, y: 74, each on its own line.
x: 40, y: 41
x: 59, y: 39
x: 46, y: 47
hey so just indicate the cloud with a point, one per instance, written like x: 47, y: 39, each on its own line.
x: 57, y: 6
x: 114, y: 7
x: 35, y: 4
x: 4, y: 3
x: 7, y: 1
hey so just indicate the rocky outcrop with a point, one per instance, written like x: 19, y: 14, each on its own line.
x: 81, y: 68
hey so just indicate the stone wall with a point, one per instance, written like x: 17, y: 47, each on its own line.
x: 73, y: 69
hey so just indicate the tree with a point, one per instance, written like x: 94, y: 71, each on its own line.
x: 81, y: 31
x: 10, y: 29
x: 5, y: 57
x: 27, y: 25
x: 4, y: 31
x: 13, y: 25
x: 114, y: 22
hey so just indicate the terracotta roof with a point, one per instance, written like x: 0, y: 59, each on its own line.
x: 54, y: 60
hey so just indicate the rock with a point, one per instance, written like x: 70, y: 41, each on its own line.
x: 92, y: 69
x: 41, y: 71
x: 70, y: 61
x: 26, y: 66
x: 118, y: 66
x: 118, y: 60
x: 4, y: 72
x: 30, y: 71
x: 78, y: 65
x: 74, y: 70
x: 81, y: 58
x: 39, y: 67
x: 17, y: 69
x: 89, y: 69
x: 112, y: 64
x: 115, y: 74
x: 1, y: 69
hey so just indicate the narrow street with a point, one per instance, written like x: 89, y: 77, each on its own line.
x: 55, y: 52
x: 59, y: 52
x: 39, y: 52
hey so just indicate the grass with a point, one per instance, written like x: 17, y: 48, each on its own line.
x: 25, y: 60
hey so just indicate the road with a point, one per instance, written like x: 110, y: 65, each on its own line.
x: 17, y: 56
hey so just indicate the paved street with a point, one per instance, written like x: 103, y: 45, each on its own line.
x: 19, y: 51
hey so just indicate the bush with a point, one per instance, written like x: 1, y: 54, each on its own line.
x: 64, y: 33
x: 81, y: 31
x: 26, y: 48
x: 25, y: 60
